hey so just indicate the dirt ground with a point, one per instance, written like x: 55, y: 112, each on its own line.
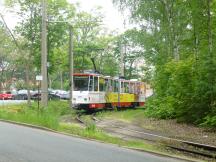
x: 166, y: 128
x: 170, y: 128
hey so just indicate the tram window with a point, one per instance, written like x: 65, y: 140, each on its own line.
x: 101, y: 84
x: 116, y: 85
x: 95, y: 83
x: 81, y: 83
x: 136, y: 88
x: 108, y: 86
x: 142, y: 88
x: 126, y: 87
x: 91, y: 83
x: 122, y: 87
x: 131, y: 88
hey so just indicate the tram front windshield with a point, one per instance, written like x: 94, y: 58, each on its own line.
x: 81, y: 83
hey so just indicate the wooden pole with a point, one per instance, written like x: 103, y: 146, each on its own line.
x: 44, y: 84
x: 71, y: 62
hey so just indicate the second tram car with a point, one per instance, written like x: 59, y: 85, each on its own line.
x: 95, y: 91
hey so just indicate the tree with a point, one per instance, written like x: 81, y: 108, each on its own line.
x: 8, y: 58
x: 90, y: 39
x: 178, y: 40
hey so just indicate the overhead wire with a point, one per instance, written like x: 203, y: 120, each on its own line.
x: 9, y: 30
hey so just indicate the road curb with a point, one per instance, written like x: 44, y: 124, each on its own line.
x: 73, y: 135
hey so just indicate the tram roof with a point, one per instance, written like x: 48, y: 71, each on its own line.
x: 86, y: 74
x: 107, y: 77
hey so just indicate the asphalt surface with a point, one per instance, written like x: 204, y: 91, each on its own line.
x: 23, y: 144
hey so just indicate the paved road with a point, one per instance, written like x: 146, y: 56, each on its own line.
x: 23, y: 144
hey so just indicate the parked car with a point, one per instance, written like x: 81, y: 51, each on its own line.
x: 21, y: 97
x: 35, y: 95
x: 65, y: 96
x: 6, y: 96
x: 61, y: 93
x: 23, y: 94
x: 50, y: 96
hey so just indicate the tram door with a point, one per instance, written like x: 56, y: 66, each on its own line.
x: 102, y: 90
x: 91, y: 84
x: 96, y: 89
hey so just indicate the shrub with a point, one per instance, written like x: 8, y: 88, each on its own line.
x: 161, y: 108
x: 209, y: 121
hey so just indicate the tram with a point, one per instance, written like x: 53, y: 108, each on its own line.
x: 95, y: 91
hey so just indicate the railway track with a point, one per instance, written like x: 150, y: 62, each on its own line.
x: 80, y: 120
x: 193, y: 148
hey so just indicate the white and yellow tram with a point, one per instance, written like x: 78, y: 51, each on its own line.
x: 95, y: 91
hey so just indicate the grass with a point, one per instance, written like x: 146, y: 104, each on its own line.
x: 127, y: 115
x: 47, y: 117
x: 92, y: 132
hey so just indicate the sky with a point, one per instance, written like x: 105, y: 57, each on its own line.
x: 113, y: 18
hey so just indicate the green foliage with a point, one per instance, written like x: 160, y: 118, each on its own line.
x: 47, y: 117
x: 90, y: 39
x: 209, y: 121
x: 91, y: 127
x: 7, y: 58
x: 179, y: 47
x: 127, y: 115
x: 161, y: 108
x: 31, y: 117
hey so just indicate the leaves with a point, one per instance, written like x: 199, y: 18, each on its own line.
x: 178, y: 40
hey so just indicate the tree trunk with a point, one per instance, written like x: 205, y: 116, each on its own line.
x: 28, y: 84
x: 210, y: 52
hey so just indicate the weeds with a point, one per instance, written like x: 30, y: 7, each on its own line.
x: 126, y: 115
x: 92, y: 132
x: 47, y: 117
x: 91, y: 127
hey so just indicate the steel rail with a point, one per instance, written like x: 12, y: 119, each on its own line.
x: 200, y: 145
x: 205, y: 147
x: 193, y: 152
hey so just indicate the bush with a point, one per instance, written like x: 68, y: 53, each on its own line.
x: 161, y: 108
x: 210, y: 120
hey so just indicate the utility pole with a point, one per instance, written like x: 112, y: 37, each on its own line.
x: 123, y: 49
x: 122, y: 60
x: 71, y: 59
x: 44, y: 84
x: 71, y: 62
